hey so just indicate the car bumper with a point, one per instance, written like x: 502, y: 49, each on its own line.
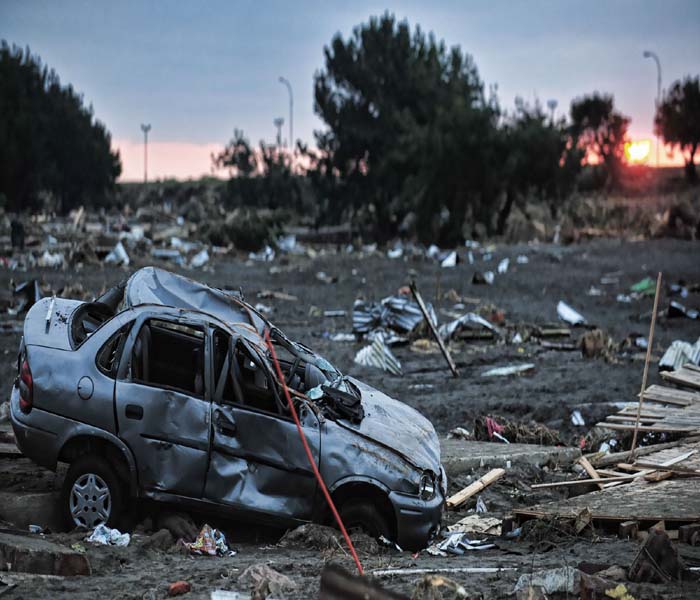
x: 417, y: 520
x: 33, y: 441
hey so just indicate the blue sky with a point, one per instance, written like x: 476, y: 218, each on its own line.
x: 196, y: 70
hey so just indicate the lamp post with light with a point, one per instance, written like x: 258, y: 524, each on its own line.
x: 286, y: 83
x: 650, y: 54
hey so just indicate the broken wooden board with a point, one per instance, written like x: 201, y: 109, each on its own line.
x: 673, y: 501
x: 667, y: 395
x: 684, y: 377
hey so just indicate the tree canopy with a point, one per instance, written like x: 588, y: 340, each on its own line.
x: 49, y: 142
x: 678, y: 121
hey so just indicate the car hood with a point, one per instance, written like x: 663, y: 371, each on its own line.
x: 398, y: 427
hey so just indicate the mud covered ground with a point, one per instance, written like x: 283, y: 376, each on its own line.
x: 562, y: 382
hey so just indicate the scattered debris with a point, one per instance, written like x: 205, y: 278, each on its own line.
x: 569, y: 315
x: 209, y: 542
x: 179, y: 588
x: 566, y: 580
x: 678, y: 354
x: 676, y: 309
x: 108, y: 537
x: 396, y: 313
x: 264, y: 581
x: 378, y: 355
x: 480, y: 484
x: 509, y: 370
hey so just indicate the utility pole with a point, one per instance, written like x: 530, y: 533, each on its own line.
x: 552, y: 105
x: 650, y: 54
x: 278, y: 122
x: 285, y: 82
x: 145, y: 128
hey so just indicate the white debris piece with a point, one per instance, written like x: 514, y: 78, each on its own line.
x: 680, y: 353
x: 395, y: 253
x: 522, y: 259
x: 200, y: 259
x: 467, y: 321
x: 577, y: 419
x: 503, y: 266
x: 509, y: 370
x: 108, y: 537
x: 449, y: 261
x: 568, y: 314
x: 50, y: 259
x: 378, y: 355
x: 118, y: 256
x: 562, y: 580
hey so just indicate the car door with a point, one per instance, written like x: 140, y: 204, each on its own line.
x: 163, y: 405
x: 258, y: 462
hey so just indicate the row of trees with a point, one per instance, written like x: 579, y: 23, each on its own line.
x: 413, y: 141
x: 49, y: 142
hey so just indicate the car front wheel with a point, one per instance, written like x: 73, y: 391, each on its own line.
x: 92, y: 494
x: 362, y: 514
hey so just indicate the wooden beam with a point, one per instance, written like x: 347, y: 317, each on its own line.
x: 480, y: 484
x: 433, y: 329
x: 588, y: 467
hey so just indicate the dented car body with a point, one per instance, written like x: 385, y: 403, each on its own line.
x: 164, y: 388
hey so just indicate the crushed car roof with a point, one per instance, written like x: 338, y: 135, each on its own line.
x: 151, y: 285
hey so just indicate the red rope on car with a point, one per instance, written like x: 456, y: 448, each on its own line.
x: 310, y: 456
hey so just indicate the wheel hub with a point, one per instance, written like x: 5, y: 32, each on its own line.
x: 90, y: 501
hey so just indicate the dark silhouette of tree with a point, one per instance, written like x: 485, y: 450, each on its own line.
x: 49, y: 142
x: 542, y: 160
x: 408, y: 129
x: 601, y: 132
x: 238, y: 156
x: 678, y: 121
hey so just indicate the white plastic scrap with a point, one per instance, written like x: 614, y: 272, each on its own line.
x: 267, y: 254
x: 458, y: 542
x: 447, y: 330
x: 503, y: 266
x: 109, y: 537
x: 489, y: 277
x: 577, y: 419
x: 568, y: 314
x: 562, y: 580
x: 449, y: 261
x: 378, y: 355
x: 680, y: 353
x: 395, y: 253
x: 50, y: 259
x: 509, y: 370
x: 200, y: 259
x: 118, y: 256
x: 522, y: 259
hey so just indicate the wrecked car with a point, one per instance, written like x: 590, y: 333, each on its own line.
x: 163, y: 388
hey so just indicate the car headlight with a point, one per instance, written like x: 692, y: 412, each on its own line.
x: 426, y: 488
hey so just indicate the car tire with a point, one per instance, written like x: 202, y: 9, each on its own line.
x: 92, y: 494
x: 363, y: 514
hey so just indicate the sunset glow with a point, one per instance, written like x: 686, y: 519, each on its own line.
x: 638, y: 151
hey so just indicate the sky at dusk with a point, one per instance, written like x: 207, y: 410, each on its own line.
x: 197, y: 70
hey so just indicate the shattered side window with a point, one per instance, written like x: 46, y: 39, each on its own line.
x: 108, y: 356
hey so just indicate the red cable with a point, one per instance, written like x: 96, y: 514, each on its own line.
x: 338, y: 520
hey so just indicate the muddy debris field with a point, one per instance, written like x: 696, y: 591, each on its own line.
x: 531, y: 393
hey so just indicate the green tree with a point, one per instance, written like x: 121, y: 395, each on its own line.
x: 408, y: 129
x: 678, y: 121
x: 600, y: 131
x: 49, y: 142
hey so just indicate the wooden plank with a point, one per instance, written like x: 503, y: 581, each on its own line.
x: 615, y: 457
x: 674, y: 501
x: 480, y: 484
x: 588, y: 467
x: 658, y: 427
x: 670, y: 395
x: 683, y: 377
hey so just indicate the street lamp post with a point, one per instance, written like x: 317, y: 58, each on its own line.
x: 145, y: 128
x: 291, y: 111
x: 650, y: 54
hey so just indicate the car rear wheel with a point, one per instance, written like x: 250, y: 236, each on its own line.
x: 92, y: 494
x: 362, y: 514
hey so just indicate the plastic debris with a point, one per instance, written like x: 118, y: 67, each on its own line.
x: 458, y: 543
x: 676, y: 309
x: 577, y: 419
x: 395, y: 253
x: 568, y: 314
x: 509, y: 370
x: 477, y: 524
x: 562, y: 580
x: 398, y: 313
x: 645, y: 287
x: 678, y: 354
x: 36, y: 529
x: 503, y: 266
x: 378, y: 355
x: 50, y: 259
x: 209, y: 542
x: 343, y: 337
x: 179, y: 588
x: 468, y: 321
x: 522, y: 259
x: 108, y: 537
x: 483, y: 278
x: 118, y: 256
x: 450, y: 260
x: 334, y: 313
x: 267, y: 254
x: 200, y: 259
